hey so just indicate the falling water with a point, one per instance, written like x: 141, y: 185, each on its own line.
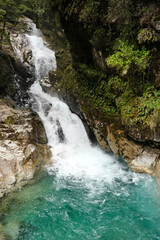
x: 86, y: 194
x: 72, y: 151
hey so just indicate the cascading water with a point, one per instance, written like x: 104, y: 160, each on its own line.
x: 72, y: 150
x: 87, y: 194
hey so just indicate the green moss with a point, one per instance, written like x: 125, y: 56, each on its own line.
x: 144, y: 109
x: 9, y: 120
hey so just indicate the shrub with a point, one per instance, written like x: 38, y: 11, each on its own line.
x: 147, y: 35
x: 126, y: 55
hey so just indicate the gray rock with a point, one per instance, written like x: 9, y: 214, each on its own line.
x: 157, y: 25
x: 47, y: 86
x: 23, y: 147
x: 140, y: 157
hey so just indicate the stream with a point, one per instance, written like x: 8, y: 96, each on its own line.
x: 85, y: 194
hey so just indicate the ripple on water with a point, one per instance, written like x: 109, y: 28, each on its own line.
x: 86, y: 194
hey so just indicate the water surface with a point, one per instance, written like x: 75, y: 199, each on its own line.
x: 85, y: 193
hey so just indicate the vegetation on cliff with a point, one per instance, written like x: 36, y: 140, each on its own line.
x: 115, y: 53
x: 114, y: 47
x: 12, y: 10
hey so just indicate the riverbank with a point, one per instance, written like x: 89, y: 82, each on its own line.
x: 86, y: 193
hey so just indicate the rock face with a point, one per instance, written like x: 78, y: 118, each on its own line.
x: 9, y: 67
x: 23, y: 146
x: 110, y: 134
x: 102, y: 99
x: 21, y: 47
x: 139, y: 156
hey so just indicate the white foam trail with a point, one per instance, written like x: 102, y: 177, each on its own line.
x: 73, y: 154
x: 44, y: 58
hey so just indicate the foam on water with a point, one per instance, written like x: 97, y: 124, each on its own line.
x: 86, y: 194
x: 73, y: 154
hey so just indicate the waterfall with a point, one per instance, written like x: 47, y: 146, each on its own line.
x: 86, y: 193
x: 73, y: 154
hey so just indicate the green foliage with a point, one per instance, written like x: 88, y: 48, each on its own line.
x: 11, y: 10
x: 89, y: 11
x: 8, y: 13
x: 147, y: 35
x: 2, y: 14
x: 117, y: 85
x: 98, y: 98
x: 9, y: 120
x: 144, y: 109
x: 125, y: 55
x: 91, y: 73
x: 97, y: 37
x: 102, y: 23
x: 148, y: 103
x: 120, y: 10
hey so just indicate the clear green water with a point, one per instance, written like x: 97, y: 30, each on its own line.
x: 86, y: 194
x: 69, y: 208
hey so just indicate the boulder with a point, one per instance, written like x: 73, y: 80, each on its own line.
x: 47, y: 86
x: 23, y: 146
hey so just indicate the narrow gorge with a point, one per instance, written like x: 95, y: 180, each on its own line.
x: 71, y: 167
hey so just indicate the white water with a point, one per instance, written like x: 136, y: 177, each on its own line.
x: 73, y: 155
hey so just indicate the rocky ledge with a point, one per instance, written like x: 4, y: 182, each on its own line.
x: 23, y: 146
x: 141, y: 156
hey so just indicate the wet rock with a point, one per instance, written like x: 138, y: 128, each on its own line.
x: 60, y: 132
x: 157, y: 25
x: 140, y: 157
x: 27, y: 55
x: 23, y: 146
x: 157, y: 167
x: 141, y: 133
x: 144, y: 162
x: 46, y: 107
x: 21, y: 46
x: 98, y: 59
x: 46, y: 85
x: 3, y: 235
x: 15, y: 78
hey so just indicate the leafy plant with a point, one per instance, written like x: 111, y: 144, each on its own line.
x: 125, y: 55
x: 144, y: 109
x: 147, y: 35
x: 89, y: 11
x: 120, y: 10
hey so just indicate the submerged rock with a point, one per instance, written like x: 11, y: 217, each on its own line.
x: 23, y: 146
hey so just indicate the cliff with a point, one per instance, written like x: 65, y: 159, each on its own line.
x: 110, y: 65
x: 23, y: 142
x: 23, y: 146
